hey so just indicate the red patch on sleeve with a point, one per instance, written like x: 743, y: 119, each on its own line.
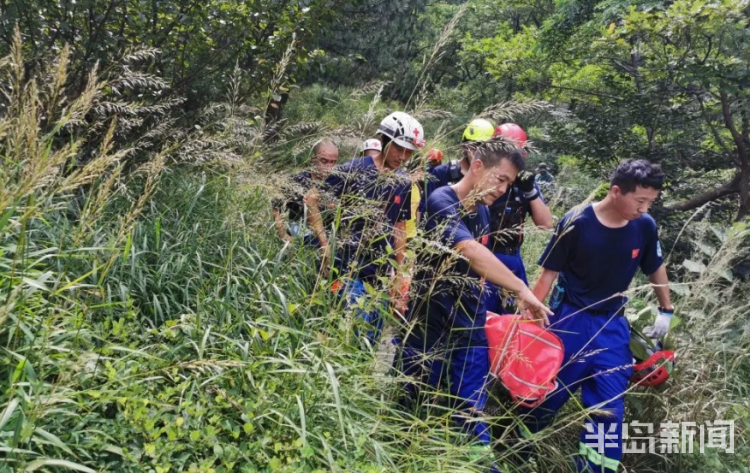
x: 485, y: 239
x: 397, y: 199
x: 635, y: 253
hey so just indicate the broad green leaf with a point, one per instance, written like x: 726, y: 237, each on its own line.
x: 681, y: 289
x: 694, y: 266
x: 705, y: 248
x: 54, y: 439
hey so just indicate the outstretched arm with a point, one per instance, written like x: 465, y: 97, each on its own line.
x: 399, y: 241
x: 484, y: 263
x: 541, y: 214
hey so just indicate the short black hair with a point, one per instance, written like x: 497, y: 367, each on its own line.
x: 632, y: 173
x: 384, y: 140
x: 493, y: 151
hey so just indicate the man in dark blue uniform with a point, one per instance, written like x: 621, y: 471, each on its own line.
x: 375, y: 203
x: 508, y: 215
x: 476, y: 132
x: 447, y: 315
x: 543, y: 175
x: 594, y: 255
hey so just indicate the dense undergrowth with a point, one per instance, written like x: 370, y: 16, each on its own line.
x: 150, y: 320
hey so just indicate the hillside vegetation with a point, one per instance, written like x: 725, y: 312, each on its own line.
x: 151, y: 319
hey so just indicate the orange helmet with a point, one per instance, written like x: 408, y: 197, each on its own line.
x: 435, y: 156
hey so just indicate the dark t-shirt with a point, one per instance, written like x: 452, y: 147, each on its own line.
x: 440, y: 176
x: 444, y: 282
x: 371, y: 203
x: 293, y: 202
x: 508, y: 214
x: 596, y: 262
x: 301, y: 183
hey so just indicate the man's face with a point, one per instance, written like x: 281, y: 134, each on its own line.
x: 633, y: 204
x: 326, y: 158
x: 396, y: 155
x: 493, y: 182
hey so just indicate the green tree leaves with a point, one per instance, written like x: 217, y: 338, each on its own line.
x: 200, y: 41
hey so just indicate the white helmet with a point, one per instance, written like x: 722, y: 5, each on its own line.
x: 372, y: 144
x: 403, y: 129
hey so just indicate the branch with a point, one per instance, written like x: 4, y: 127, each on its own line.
x: 710, y: 124
x: 736, y: 136
x: 177, y: 20
x: 731, y: 187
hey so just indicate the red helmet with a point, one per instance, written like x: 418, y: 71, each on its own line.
x: 435, y: 156
x: 512, y: 132
x: 524, y: 356
x: 652, y: 364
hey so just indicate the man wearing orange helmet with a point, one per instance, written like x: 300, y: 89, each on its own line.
x: 508, y: 214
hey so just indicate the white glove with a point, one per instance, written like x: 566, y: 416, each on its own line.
x: 661, y: 326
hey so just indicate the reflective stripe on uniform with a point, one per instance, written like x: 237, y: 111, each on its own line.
x: 597, y: 458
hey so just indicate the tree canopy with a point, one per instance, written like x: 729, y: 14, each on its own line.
x: 661, y: 80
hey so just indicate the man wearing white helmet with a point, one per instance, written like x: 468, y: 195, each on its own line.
x: 375, y: 202
x: 372, y: 147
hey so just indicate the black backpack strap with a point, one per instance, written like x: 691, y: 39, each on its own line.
x: 454, y: 171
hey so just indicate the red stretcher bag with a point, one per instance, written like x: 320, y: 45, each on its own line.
x: 524, y: 357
